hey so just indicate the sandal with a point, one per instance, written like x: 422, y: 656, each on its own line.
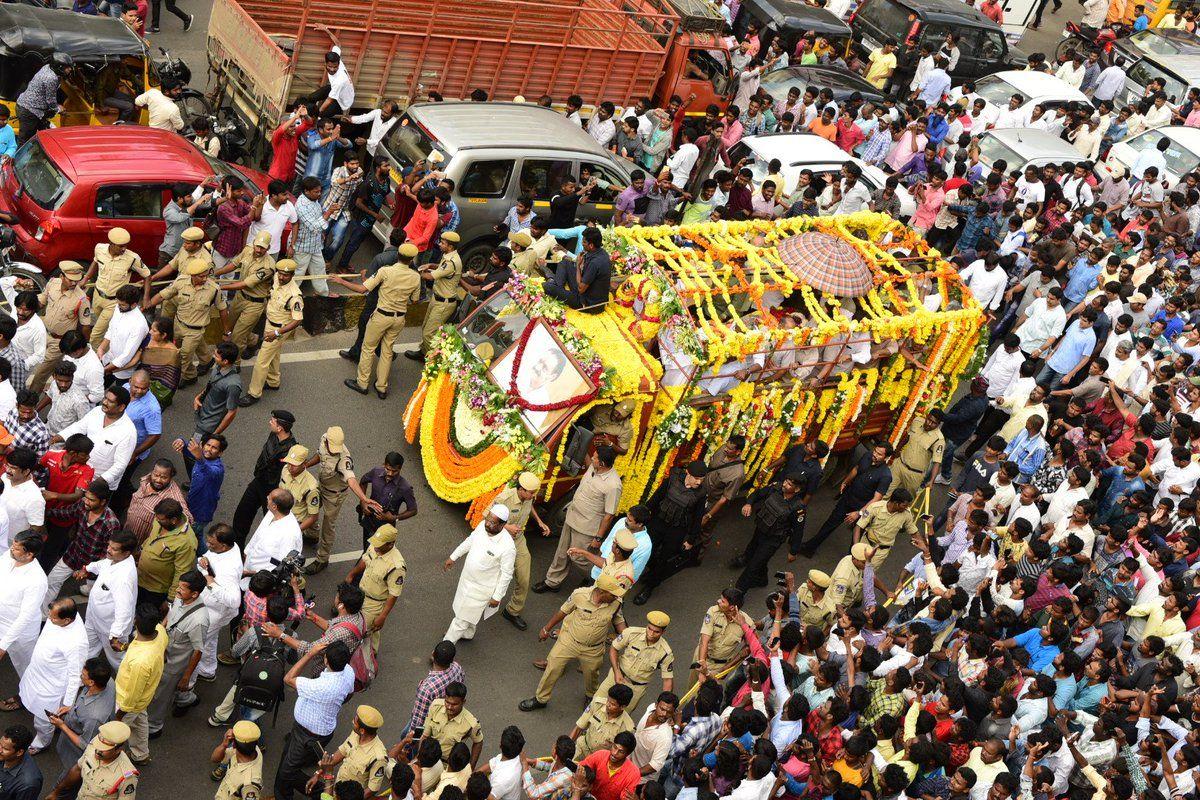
x: 11, y: 704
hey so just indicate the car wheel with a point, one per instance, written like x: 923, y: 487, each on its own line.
x: 475, y: 257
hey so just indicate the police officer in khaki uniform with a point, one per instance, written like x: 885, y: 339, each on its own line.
x: 613, y: 426
x: 65, y: 307
x: 920, y: 459
x: 239, y: 763
x: 194, y: 246
x: 519, y: 502
x: 882, y: 521
x: 448, y: 722
x: 591, y: 513
x: 599, y: 724
x: 257, y: 267
x: 363, y: 757
x: 112, y: 265
x: 104, y: 771
x: 846, y: 581
x: 811, y: 597
x: 726, y: 474
x: 635, y: 656
x: 722, y: 642
x: 445, y: 294
x: 285, y: 312
x: 398, y: 285
x: 335, y: 477
x: 195, y: 294
x: 525, y: 259
x: 587, y: 617
x: 305, y: 491
x: 380, y: 574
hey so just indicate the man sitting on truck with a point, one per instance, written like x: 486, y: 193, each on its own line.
x: 584, y: 284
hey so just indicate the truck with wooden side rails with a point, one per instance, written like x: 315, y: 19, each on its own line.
x: 264, y: 54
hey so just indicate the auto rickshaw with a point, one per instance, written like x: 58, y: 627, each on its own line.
x: 110, y: 65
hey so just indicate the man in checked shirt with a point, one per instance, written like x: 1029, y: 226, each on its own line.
x: 443, y: 671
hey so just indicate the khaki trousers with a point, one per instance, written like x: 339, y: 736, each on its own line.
x: 437, y: 315
x: 600, y: 697
x: 560, y: 658
x: 331, y: 506
x: 560, y: 566
x: 370, y: 611
x: 382, y: 331
x: 520, y: 578
x: 43, y: 371
x: 246, y: 315
x: 102, y: 311
x: 907, y: 478
x: 192, y: 346
x: 266, y: 366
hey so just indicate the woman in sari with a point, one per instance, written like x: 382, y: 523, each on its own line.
x: 161, y: 358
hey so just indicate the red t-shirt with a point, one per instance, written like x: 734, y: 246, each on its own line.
x: 69, y: 481
x: 612, y: 785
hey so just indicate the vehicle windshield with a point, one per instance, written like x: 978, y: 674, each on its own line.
x: 1144, y: 71
x: 996, y: 91
x: 221, y: 170
x: 992, y: 150
x: 1180, y: 160
x: 408, y: 144
x: 40, y: 177
x: 499, y: 321
x: 1152, y: 43
x: 741, y: 151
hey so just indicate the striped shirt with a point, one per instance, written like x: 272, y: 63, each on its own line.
x: 311, y: 225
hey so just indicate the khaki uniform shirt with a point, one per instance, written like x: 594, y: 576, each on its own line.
x: 398, y: 286
x: 845, y: 585
x: 244, y: 779
x: 384, y: 574
x: 598, y: 730
x: 64, y: 311
x: 525, y: 263
x: 725, y: 637
x: 112, y: 272
x: 446, y: 276
x: 587, y: 624
x: 812, y: 611
x: 518, y: 509
x: 305, y: 492
x: 596, y: 496
x: 195, y: 303
x: 639, y: 660
x: 334, y: 470
x: 619, y: 571
x: 620, y: 429
x: 365, y: 764
x: 724, y: 478
x: 256, y: 272
x: 882, y: 526
x: 183, y: 256
x: 285, y: 304
x: 100, y: 781
x: 923, y: 448
x: 450, y: 732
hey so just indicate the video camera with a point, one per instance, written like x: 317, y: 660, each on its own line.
x: 287, y: 568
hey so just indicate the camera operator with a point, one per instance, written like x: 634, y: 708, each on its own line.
x: 277, y: 535
x: 263, y: 587
x: 271, y: 609
x: 346, y: 623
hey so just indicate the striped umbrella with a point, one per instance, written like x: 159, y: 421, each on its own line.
x: 826, y: 263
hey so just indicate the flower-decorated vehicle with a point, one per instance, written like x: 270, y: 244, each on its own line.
x: 839, y: 328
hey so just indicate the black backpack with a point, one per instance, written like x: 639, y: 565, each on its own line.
x: 260, y: 680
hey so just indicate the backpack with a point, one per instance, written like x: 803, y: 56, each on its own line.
x: 260, y: 680
x: 363, y: 660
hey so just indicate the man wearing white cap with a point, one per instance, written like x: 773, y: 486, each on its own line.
x: 487, y: 571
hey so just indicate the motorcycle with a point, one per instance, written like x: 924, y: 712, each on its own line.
x: 231, y: 132
x: 10, y: 266
x: 192, y: 102
x: 1076, y: 37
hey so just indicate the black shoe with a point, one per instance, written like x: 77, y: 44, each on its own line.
x: 349, y: 354
x: 737, y: 562
x: 247, y: 353
x: 532, y: 704
x: 182, y: 710
x: 155, y: 734
x: 541, y: 587
x: 204, y: 368
x: 187, y: 26
x: 248, y: 400
x: 415, y: 355
x: 270, y: 388
x: 806, y: 552
x: 516, y: 619
x: 381, y: 395
x: 315, y: 566
x: 643, y: 596
x: 350, y: 383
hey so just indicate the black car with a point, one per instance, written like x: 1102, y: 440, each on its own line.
x: 841, y: 82
x: 790, y: 20
x: 911, y: 23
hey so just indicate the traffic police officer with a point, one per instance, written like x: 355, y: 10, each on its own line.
x: 920, y: 454
x: 112, y: 265
x: 285, y: 312
x: 335, y: 477
x: 882, y: 521
x: 398, y: 285
x: 194, y: 246
x: 846, y: 582
x: 253, y: 289
x: 104, y: 771
x: 636, y: 654
x: 519, y: 502
x: 721, y: 639
x: 195, y: 294
x: 363, y: 757
x: 65, y: 307
x: 445, y: 294
x: 587, y: 617
x: 380, y: 574
x: 239, y: 763
x: 304, y: 488
x: 811, y: 597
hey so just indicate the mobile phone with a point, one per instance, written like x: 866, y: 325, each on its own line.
x: 208, y: 568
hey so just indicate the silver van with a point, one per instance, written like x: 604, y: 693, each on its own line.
x: 496, y: 152
x: 1179, y: 73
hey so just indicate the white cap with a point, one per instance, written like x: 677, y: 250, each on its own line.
x: 500, y: 512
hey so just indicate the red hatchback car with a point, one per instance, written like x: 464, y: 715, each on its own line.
x: 69, y: 187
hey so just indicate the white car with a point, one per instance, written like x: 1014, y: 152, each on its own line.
x: 1182, y: 156
x: 800, y: 151
x: 1036, y: 87
x: 1020, y: 147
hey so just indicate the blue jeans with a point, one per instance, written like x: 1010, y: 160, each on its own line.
x: 336, y: 235
x: 1049, y: 378
x: 358, y: 234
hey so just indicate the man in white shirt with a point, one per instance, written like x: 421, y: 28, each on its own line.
x: 654, y: 734
x: 89, y: 371
x: 1177, y: 477
x: 1029, y: 189
x: 1111, y: 80
x: 986, y: 281
x: 30, y: 338
x: 164, y: 113
x: 854, y: 194
x: 1013, y: 116
x: 601, y: 126
x: 223, y: 596
x: 112, y: 433
x: 274, y: 215
x: 22, y: 587
x: 683, y: 161
x: 113, y: 597
x: 126, y: 331
x: 1071, y: 72
x: 1045, y: 319
x: 1003, y: 367
x: 277, y: 534
x: 341, y: 88
x: 22, y: 498
x: 1148, y: 157
x: 504, y: 770
x: 382, y: 120
x: 8, y: 395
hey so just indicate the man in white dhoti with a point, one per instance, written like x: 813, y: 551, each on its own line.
x: 113, y: 598
x: 222, y: 567
x: 21, y: 578
x: 487, y: 570
x: 277, y: 534
x: 51, y: 680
